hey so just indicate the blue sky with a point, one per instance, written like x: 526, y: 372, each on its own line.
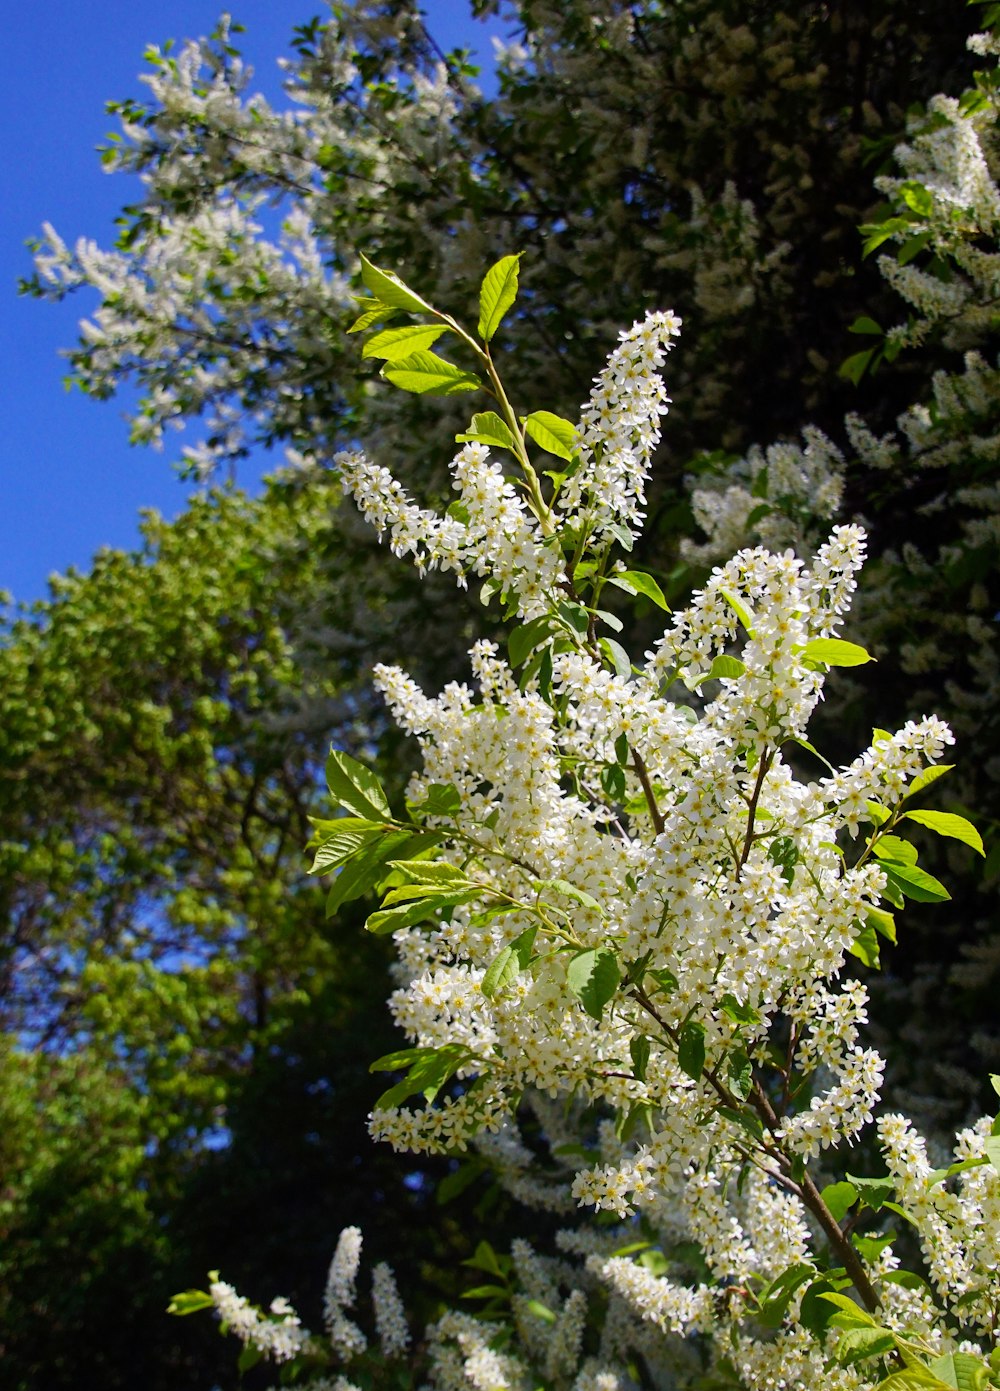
x: 69, y: 482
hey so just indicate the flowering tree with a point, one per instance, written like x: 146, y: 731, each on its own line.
x: 617, y: 903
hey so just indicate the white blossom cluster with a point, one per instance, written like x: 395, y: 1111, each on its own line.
x: 279, y: 1336
x: 496, y: 534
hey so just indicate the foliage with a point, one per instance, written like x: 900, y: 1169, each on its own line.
x: 614, y: 891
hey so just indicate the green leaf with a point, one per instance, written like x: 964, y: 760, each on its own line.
x: 857, y: 1344
x: 617, y: 655
x: 873, y: 1192
x: 430, y: 872
x: 865, y: 946
x: 568, y: 890
x: 427, y: 1074
x: 509, y: 963
x: 848, y: 1313
x: 913, y: 1378
x: 723, y: 668
x: 389, y: 920
x: 485, y: 1258
x: 396, y: 343
x: 355, y: 787
x: 961, y: 1370
x: 777, y: 1296
x: 834, y: 652
x: 639, y: 1051
x: 853, y: 368
x: 927, y: 776
x: 915, y: 883
x: 488, y: 428
x: 426, y: 374
x: 360, y: 874
x: 739, y: 1012
x: 389, y: 290
x: 526, y: 637
x: 946, y: 823
x: 552, y: 433
x: 338, y: 846
x: 691, y: 1049
x: 376, y: 315
x: 881, y: 922
x: 442, y: 800
x: 189, y: 1302
x: 638, y: 582
x: 593, y: 977
x: 496, y: 295
x: 839, y: 1198
x: 894, y: 848
x: 865, y: 325
x: 740, y: 609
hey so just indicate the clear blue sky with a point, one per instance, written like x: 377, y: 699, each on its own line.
x: 69, y: 482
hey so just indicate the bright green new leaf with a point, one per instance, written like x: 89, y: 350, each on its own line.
x: 189, y: 1302
x: 723, y: 667
x: 426, y: 374
x: 740, y: 609
x: 865, y: 946
x: 881, y: 922
x: 896, y: 849
x: 853, y: 368
x: 839, y: 1198
x: 849, y: 1314
x: 509, y: 963
x: 389, y: 290
x: 913, y: 1378
x: 497, y: 293
x: 834, y: 652
x: 865, y: 325
x: 915, y: 883
x: 488, y: 428
x: 946, y: 823
x: 639, y: 1051
x: 432, y: 872
x: 376, y: 315
x: 927, y: 776
x: 338, y: 846
x: 394, y: 344
x: 961, y: 1370
x: 619, y: 658
x: 638, y: 582
x: 568, y: 890
x: 552, y: 433
x: 355, y: 787
x: 389, y: 920
x: 593, y: 977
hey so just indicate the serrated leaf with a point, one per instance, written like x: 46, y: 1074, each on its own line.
x: 568, y: 890
x: 913, y: 1378
x: 377, y: 314
x: 834, y: 652
x: 961, y: 1370
x: 858, y: 1344
x: 426, y: 374
x: 691, y: 1049
x: 389, y: 920
x: 593, y: 977
x: 873, y: 1192
x: 496, y: 295
x: 393, y: 344
x: 849, y: 1314
x: 388, y: 289
x: 915, y: 883
x: 552, y: 433
x: 430, y: 872
x: 488, y: 428
x: 638, y: 582
x: 509, y: 963
x: 360, y: 874
x: 355, y: 787
x: 341, y: 845
x: 442, y: 799
x: 946, y: 823
x: 881, y: 922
